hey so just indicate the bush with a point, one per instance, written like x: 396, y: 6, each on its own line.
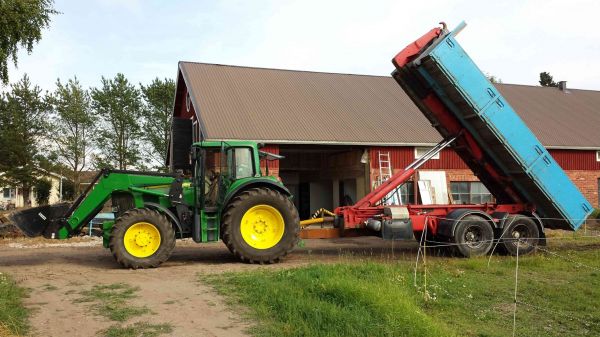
x: 42, y: 191
x: 595, y: 214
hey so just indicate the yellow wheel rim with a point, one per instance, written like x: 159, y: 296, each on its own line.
x: 142, y: 239
x: 262, y: 227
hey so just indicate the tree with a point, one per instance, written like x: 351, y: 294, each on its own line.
x: 493, y: 78
x: 74, y: 125
x: 21, y: 24
x: 158, y: 97
x: 118, y: 105
x: 68, y: 190
x: 23, y: 125
x: 43, y: 187
x: 546, y: 80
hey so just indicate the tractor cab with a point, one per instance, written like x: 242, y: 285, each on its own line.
x: 218, y: 165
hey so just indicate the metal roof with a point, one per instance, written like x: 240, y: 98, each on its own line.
x: 287, y: 106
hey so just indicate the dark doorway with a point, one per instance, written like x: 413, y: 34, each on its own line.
x: 322, y: 176
x: 304, y: 200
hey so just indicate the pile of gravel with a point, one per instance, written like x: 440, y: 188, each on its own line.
x: 8, y: 230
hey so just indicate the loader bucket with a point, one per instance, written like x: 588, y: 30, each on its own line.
x: 41, y: 220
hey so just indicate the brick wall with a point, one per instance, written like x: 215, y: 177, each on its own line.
x: 587, y: 182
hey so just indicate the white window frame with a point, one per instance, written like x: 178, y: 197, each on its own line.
x: 424, y: 150
x: 598, y: 155
x: 11, y: 193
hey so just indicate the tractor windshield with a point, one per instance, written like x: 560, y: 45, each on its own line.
x: 240, y: 162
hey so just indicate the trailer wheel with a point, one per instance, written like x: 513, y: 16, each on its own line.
x: 142, y: 238
x: 261, y: 225
x: 473, y: 236
x: 522, y: 232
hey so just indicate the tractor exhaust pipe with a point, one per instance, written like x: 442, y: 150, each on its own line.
x: 40, y: 221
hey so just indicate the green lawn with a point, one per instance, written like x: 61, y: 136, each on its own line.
x: 13, y: 315
x: 558, y: 296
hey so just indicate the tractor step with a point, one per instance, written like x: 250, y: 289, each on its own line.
x: 212, y: 225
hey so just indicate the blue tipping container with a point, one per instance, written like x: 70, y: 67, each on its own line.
x: 514, y: 149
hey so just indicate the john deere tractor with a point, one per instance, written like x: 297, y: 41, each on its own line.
x: 219, y: 193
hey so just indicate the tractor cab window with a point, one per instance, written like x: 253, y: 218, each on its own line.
x: 240, y: 162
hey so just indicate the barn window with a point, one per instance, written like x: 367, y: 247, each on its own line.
x: 469, y: 192
x: 420, y: 151
x: 188, y: 102
x: 407, y: 193
x: 597, y: 155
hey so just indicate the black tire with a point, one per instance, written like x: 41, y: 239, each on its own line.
x: 521, y: 231
x: 134, y: 216
x: 232, y: 218
x: 473, y: 236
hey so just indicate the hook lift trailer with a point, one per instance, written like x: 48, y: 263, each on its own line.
x: 532, y: 192
x: 224, y: 196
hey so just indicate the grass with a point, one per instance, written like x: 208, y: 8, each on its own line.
x: 557, y: 296
x: 140, y: 329
x: 111, y: 301
x: 13, y: 314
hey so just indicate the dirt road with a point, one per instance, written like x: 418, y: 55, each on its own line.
x: 57, y: 275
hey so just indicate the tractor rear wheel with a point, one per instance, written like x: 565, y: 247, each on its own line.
x: 473, y: 236
x: 142, y: 238
x: 261, y: 225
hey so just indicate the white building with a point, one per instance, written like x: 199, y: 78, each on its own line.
x: 14, y: 195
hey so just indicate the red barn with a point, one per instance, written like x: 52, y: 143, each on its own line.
x: 335, y: 129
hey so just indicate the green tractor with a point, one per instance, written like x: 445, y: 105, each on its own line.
x: 221, y: 194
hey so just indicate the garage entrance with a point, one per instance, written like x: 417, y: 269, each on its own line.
x: 323, y: 176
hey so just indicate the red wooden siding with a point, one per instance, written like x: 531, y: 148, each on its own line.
x: 402, y: 156
x: 576, y: 159
x: 273, y: 164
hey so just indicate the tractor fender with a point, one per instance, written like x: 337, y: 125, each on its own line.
x: 257, y: 182
x: 447, y: 226
x: 167, y: 212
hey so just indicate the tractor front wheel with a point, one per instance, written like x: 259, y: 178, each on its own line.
x: 142, y: 238
x: 261, y: 225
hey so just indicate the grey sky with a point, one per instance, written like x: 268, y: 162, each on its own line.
x: 513, y: 40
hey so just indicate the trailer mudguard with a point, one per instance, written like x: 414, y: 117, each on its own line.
x: 447, y: 226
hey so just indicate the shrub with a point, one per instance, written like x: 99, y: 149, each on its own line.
x: 42, y: 191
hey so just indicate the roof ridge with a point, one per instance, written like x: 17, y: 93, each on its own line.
x: 351, y: 74
x: 281, y: 69
x: 542, y: 87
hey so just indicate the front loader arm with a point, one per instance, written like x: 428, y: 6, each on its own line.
x: 108, y: 183
x: 60, y: 221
